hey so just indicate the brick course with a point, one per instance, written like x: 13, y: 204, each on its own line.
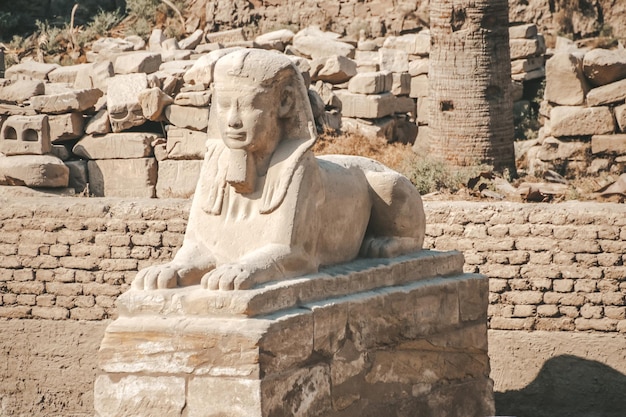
x: 551, y: 266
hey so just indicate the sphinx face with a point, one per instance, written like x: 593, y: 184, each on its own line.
x: 247, y: 115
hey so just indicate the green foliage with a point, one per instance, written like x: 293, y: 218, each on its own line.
x: 102, y: 22
x: 51, y: 38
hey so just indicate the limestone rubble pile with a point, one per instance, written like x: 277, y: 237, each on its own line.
x: 585, y: 111
x: 132, y: 121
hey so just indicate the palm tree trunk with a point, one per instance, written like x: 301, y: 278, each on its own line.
x: 471, y: 120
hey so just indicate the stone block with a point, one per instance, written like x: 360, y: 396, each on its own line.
x: 603, y: 66
x: 581, y: 121
x: 336, y: 69
x: 99, y: 123
x: 393, y: 60
x: 20, y: 91
x: 607, y: 94
x: 111, y: 45
x: 134, y: 62
x: 125, y: 145
x: 419, y: 86
x: 185, y: 143
x: 412, y: 43
x: 527, y: 64
x: 193, y: 98
x: 191, y: 41
x: 67, y: 126
x: 565, y: 83
x: 78, y: 100
x: 123, y: 177
x: 382, y: 128
x: 524, y: 48
x: 317, y: 44
x: 195, y: 118
x: 94, y: 75
x: 224, y: 36
x: 45, y: 171
x: 613, y: 144
x: 372, y: 106
x: 523, y: 31
x: 370, y: 83
x: 30, y: 70
x: 25, y: 135
x: 123, y: 101
x: 405, y: 104
x: 400, y: 84
x: 419, y: 67
x: 153, y: 101
x: 177, y: 179
x: 67, y: 74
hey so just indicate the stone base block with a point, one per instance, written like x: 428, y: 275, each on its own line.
x: 393, y: 337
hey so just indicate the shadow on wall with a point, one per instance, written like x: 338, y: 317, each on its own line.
x: 568, y: 386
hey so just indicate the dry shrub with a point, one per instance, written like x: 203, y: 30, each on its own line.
x: 393, y: 155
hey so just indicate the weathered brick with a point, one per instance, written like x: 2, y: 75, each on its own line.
x: 540, y: 258
x: 178, y: 226
x: 547, y: 217
x: 519, y: 230
x: 41, y: 261
x: 140, y: 252
x: 609, y: 259
x: 86, y: 276
x: 605, y: 285
x: 524, y: 311
x: 475, y: 231
x: 73, y: 237
x: 497, y: 285
x: 518, y: 257
x: 587, y: 259
x: 589, y: 311
x: 38, y: 237
x: 157, y: 226
x: 564, y: 232
x: 9, y: 299
x: 28, y: 249
x: 7, y: 249
x: 175, y: 240
x: 569, y: 311
x: 59, y: 250
x: 502, y: 323
x: 548, y: 310
x: 572, y: 299
x: 585, y: 285
x: 117, y: 225
x: 64, y: 275
x: 519, y: 284
x: 146, y: 239
x: 603, y: 325
x: 50, y: 313
x: 27, y: 299
x: 555, y: 324
x: 66, y: 301
x: 608, y: 232
x: 612, y: 246
x: 541, y: 284
x: 563, y: 285
x: 97, y: 289
x: 9, y: 237
x: 24, y: 275
x: 15, y: 312
x: 500, y: 271
x: 87, y: 263
x: 617, y: 273
x: 26, y: 287
x: 542, y: 230
x: 586, y: 233
x: 534, y: 244
x: 84, y: 301
x: 118, y: 265
x: 46, y: 300
x: 613, y: 298
x: 87, y: 250
x: 498, y: 230
x: 44, y: 275
x: 621, y: 326
x: 580, y: 246
x: 105, y: 301
x: 91, y: 313
x: 617, y: 313
x: 453, y: 243
x: 65, y: 289
x: 137, y: 226
x: 592, y: 297
x: 540, y: 271
x: 9, y: 262
x: 523, y: 297
x: 120, y: 252
x: 494, y: 244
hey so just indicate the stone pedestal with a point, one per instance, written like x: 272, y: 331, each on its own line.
x: 377, y: 337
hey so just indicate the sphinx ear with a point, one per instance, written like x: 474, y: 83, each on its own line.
x: 287, y: 101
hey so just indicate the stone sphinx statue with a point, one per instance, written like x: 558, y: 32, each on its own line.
x: 265, y: 208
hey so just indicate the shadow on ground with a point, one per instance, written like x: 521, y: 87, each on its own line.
x: 568, y: 386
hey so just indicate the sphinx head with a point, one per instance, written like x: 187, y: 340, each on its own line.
x: 259, y: 99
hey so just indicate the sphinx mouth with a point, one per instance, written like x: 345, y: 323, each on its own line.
x: 236, y: 136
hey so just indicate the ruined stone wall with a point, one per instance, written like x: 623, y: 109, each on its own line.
x: 551, y: 267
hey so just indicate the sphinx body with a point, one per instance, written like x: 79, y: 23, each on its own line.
x: 265, y: 207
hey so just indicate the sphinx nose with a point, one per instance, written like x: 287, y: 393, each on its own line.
x: 234, y: 120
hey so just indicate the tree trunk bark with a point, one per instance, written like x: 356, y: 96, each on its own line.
x: 471, y: 120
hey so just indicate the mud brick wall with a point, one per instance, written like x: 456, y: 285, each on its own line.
x: 551, y: 266
x: 554, y: 267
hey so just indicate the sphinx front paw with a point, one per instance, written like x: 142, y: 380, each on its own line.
x: 157, y: 277
x: 228, y: 277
